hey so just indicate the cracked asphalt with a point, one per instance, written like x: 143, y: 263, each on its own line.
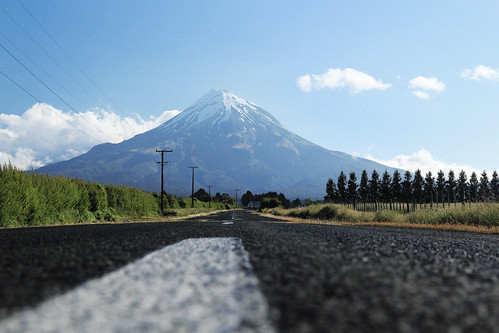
x: 316, y: 278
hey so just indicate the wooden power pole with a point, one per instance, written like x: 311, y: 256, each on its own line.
x: 192, y: 193
x: 162, y: 163
x: 209, y: 194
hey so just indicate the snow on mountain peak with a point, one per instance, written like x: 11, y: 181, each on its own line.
x: 219, y: 106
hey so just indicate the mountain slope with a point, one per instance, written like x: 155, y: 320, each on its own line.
x: 235, y: 144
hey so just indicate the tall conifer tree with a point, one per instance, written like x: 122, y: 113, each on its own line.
x: 462, y: 186
x: 374, y: 188
x: 342, y: 186
x: 395, y: 186
x: 484, y: 186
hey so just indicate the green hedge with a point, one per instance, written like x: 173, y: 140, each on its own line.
x: 29, y: 199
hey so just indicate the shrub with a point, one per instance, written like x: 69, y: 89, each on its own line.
x: 270, y: 203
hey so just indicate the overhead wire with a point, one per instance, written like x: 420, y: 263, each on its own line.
x: 39, y: 101
x: 52, y: 58
x: 69, y: 57
x: 51, y: 90
x: 43, y: 70
x: 59, y: 66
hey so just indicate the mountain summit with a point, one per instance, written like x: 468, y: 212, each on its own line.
x: 219, y: 106
x: 234, y: 142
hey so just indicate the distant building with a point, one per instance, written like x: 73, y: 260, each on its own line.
x: 254, y: 204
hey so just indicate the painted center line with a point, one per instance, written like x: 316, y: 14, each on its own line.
x: 197, y: 285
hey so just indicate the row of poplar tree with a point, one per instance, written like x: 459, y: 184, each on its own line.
x: 412, y: 188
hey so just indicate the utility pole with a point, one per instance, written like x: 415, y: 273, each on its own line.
x: 192, y: 195
x: 209, y: 193
x: 234, y: 211
x: 237, y: 190
x: 162, y: 163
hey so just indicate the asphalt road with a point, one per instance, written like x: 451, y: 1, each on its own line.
x: 315, y: 278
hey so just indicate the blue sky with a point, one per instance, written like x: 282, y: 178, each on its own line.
x: 409, y: 83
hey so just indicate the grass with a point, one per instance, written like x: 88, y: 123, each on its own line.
x: 29, y: 199
x: 479, y: 217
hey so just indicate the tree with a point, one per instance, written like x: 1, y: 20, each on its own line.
x: 331, y: 191
x: 484, y: 186
x: 417, y: 186
x: 352, y: 188
x: 395, y: 186
x: 429, y: 187
x: 270, y: 203
x: 440, y: 184
x: 364, y: 188
x: 473, y: 186
x: 385, y: 191
x: 342, y: 184
x: 374, y: 188
x: 227, y: 199
x: 407, y: 188
x: 246, y: 198
x: 451, y: 186
x: 494, y: 185
x: 308, y: 202
x: 284, y: 202
x: 217, y: 197
x: 462, y: 186
x: 202, y: 195
x: 296, y: 202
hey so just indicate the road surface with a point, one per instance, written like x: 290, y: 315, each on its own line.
x: 314, y: 278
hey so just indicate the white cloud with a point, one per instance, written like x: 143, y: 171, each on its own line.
x: 304, y: 82
x: 43, y: 134
x: 424, y: 161
x: 426, y: 83
x: 336, y: 78
x: 421, y: 94
x: 422, y: 85
x: 481, y: 72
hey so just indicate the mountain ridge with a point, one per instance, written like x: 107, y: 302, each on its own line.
x: 235, y: 143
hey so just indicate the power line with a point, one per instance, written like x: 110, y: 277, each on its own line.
x: 44, y: 71
x: 70, y: 58
x: 51, y: 58
x: 58, y: 65
x: 62, y: 118
x: 39, y: 101
x: 52, y: 91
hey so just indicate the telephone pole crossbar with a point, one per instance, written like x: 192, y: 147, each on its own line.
x: 162, y: 163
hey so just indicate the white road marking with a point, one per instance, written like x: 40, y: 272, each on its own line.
x: 197, y: 285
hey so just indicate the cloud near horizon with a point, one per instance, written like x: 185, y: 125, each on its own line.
x: 44, y: 134
x: 481, y: 72
x: 424, y: 161
x: 336, y: 78
x: 423, y: 85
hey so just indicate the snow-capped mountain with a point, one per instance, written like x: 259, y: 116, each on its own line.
x: 235, y: 144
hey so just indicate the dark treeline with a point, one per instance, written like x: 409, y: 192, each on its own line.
x: 226, y: 200
x: 402, y: 192
x: 268, y: 200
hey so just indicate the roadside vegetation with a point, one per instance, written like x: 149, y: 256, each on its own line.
x: 478, y: 214
x: 31, y: 199
x: 414, y: 200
